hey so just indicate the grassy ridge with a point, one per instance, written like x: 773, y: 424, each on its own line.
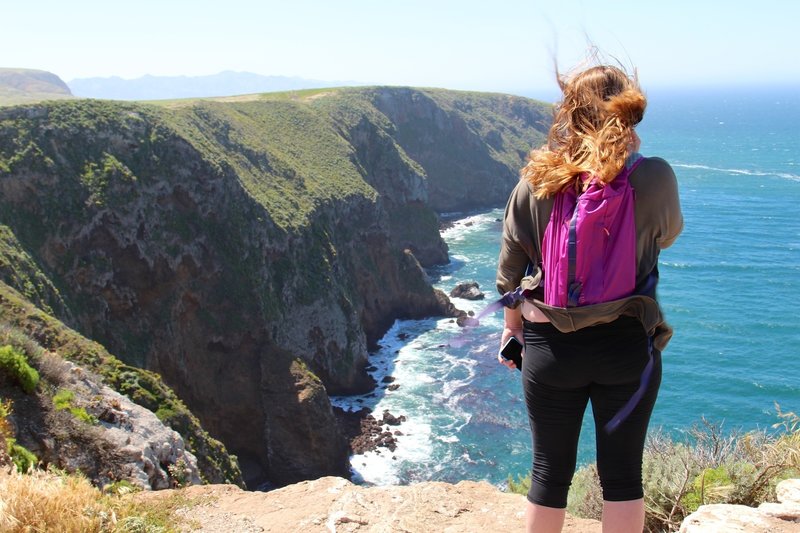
x: 288, y: 148
x: 287, y: 155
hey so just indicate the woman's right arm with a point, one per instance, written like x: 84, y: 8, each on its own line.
x: 514, y: 259
x: 516, y: 244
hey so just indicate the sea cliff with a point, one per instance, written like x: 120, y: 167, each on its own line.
x: 247, y: 252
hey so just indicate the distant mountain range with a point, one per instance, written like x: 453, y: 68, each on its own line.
x: 226, y: 83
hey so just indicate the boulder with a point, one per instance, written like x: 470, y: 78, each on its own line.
x: 783, y: 517
x: 154, y: 454
x: 469, y: 290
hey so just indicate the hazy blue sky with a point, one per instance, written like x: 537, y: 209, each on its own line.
x: 482, y: 45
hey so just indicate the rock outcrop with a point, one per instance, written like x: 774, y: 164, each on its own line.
x: 469, y: 290
x: 334, y: 504
x: 251, y: 252
x: 782, y: 517
x: 87, y: 427
x: 146, y: 447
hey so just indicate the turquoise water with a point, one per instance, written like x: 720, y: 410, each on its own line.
x: 729, y: 287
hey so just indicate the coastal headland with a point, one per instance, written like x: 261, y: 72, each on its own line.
x: 241, y: 256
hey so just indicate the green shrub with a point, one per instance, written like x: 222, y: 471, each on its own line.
x: 712, y: 485
x: 16, y: 365
x: 180, y: 473
x: 63, y: 401
x: 23, y: 458
x: 714, y: 467
x: 120, y: 487
x: 521, y: 486
x: 585, y: 498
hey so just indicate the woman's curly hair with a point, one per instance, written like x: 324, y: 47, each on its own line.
x: 592, y: 130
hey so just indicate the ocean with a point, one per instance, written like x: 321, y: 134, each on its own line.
x: 729, y: 286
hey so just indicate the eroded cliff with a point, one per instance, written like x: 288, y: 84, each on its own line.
x: 250, y: 252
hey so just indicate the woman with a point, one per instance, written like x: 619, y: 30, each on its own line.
x: 598, y: 352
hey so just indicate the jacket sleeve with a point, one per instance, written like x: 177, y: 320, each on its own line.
x: 671, y: 219
x: 517, y: 244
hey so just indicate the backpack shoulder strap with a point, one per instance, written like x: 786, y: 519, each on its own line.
x: 631, y: 163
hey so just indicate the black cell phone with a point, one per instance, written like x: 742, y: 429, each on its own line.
x: 512, y: 351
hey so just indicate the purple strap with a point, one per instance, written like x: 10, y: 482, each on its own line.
x: 507, y: 300
x: 630, y: 405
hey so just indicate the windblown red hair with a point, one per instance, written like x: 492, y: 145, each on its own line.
x: 592, y: 130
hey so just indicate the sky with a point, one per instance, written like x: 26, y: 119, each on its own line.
x: 499, y: 45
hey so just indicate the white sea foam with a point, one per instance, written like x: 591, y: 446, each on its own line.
x: 472, y: 224
x: 403, y: 354
x: 382, y: 466
x: 740, y: 171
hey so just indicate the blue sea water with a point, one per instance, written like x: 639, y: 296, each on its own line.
x: 730, y: 287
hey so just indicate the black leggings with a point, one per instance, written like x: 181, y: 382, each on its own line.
x: 561, y: 372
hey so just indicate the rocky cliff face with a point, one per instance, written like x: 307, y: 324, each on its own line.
x: 131, y: 445
x: 250, y: 252
x: 471, y: 145
x: 120, y: 441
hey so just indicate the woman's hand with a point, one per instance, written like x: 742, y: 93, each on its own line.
x: 509, y: 332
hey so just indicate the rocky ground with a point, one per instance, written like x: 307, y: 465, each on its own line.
x: 334, y: 505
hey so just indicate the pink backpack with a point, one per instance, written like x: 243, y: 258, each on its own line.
x: 589, y: 245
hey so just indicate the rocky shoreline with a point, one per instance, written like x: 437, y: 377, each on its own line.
x: 365, y: 433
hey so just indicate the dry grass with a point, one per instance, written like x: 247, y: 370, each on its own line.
x: 54, y: 368
x: 56, y: 502
x: 46, y: 501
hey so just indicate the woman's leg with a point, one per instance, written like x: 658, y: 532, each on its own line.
x: 623, y: 517
x: 541, y: 519
x: 556, y: 396
x: 619, y: 453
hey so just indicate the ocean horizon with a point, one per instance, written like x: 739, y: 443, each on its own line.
x: 728, y: 286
